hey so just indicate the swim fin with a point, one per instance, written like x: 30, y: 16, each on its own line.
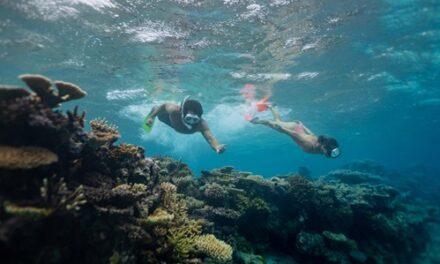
x: 263, y: 105
x: 147, y: 128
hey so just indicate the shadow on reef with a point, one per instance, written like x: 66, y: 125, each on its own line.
x: 68, y: 196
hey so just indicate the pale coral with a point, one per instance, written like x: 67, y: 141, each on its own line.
x: 25, y: 157
x: 103, y: 132
x: 159, y: 216
x: 214, y: 248
x: 28, y: 212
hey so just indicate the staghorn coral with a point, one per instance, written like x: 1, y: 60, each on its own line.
x: 103, y: 133
x: 57, y: 196
x: 183, y: 233
x: 25, y: 157
x: 214, y: 248
x: 42, y: 86
x: 183, y: 237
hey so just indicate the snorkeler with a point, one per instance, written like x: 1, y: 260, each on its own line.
x: 185, y: 119
x: 308, y: 141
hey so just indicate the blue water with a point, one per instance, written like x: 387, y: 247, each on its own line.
x: 365, y: 72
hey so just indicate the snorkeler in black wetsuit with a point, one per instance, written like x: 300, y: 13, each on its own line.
x: 185, y: 119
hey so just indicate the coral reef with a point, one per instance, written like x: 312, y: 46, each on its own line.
x: 68, y: 196
x: 327, y: 221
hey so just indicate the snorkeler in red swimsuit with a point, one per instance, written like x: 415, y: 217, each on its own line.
x: 305, y: 138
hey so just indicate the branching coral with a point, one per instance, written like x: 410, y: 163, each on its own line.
x: 103, y: 132
x: 25, y: 157
x: 182, y: 237
x: 57, y: 196
x: 214, y: 248
x: 183, y: 233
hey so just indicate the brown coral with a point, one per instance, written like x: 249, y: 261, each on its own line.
x: 11, y: 92
x: 42, y: 86
x: 69, y: 91
x: 214, y: 248
x: 25, y: 157
x: 103, y: 132
x: 159, y: 216
x: 126, y: 151
x: 27, y: 212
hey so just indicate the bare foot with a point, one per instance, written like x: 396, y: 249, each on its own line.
x: 255, y: 120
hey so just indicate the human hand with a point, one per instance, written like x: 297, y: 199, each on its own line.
x: 150, y: 121
x: 220, y: 148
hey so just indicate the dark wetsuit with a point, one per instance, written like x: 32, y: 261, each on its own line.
x: 165, y: 118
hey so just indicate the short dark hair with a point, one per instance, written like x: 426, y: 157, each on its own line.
x: 329, y: 143
x: 194, y: 106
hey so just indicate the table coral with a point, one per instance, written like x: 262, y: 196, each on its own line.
x: 42, y: 86
x: 25, y: 157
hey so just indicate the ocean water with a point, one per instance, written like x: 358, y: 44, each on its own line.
x: 364, y: 72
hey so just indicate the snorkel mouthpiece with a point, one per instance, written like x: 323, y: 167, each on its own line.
x: 335, y: 153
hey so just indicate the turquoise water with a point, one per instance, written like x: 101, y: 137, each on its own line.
x: 365, y: 72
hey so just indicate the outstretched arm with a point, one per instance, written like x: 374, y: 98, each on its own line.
x: 207, y: 134
x: 155, y: 111
x: 308, y: 130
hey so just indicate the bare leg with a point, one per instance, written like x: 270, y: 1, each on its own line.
x: 272, y: 124
x: 275, y: 113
